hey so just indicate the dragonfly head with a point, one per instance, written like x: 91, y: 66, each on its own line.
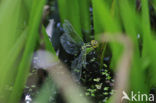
x: 94, y: 43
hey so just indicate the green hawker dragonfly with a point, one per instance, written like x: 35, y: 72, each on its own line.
x: 73, y: 44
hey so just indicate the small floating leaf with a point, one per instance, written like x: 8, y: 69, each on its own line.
x: 98, y: 86
x: 96, y: 80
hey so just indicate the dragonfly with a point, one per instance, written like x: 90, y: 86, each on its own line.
x: 73, y: 44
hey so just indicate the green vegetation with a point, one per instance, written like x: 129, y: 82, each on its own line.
x: 22, y: 33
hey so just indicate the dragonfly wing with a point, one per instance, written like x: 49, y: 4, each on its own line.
x: 78, y: 64
x: 68, y: 28
x: 76, y: 68
x: 69, y: 45
x: 83, y: 57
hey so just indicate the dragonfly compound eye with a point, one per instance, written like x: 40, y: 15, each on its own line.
x: 94, y: 43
